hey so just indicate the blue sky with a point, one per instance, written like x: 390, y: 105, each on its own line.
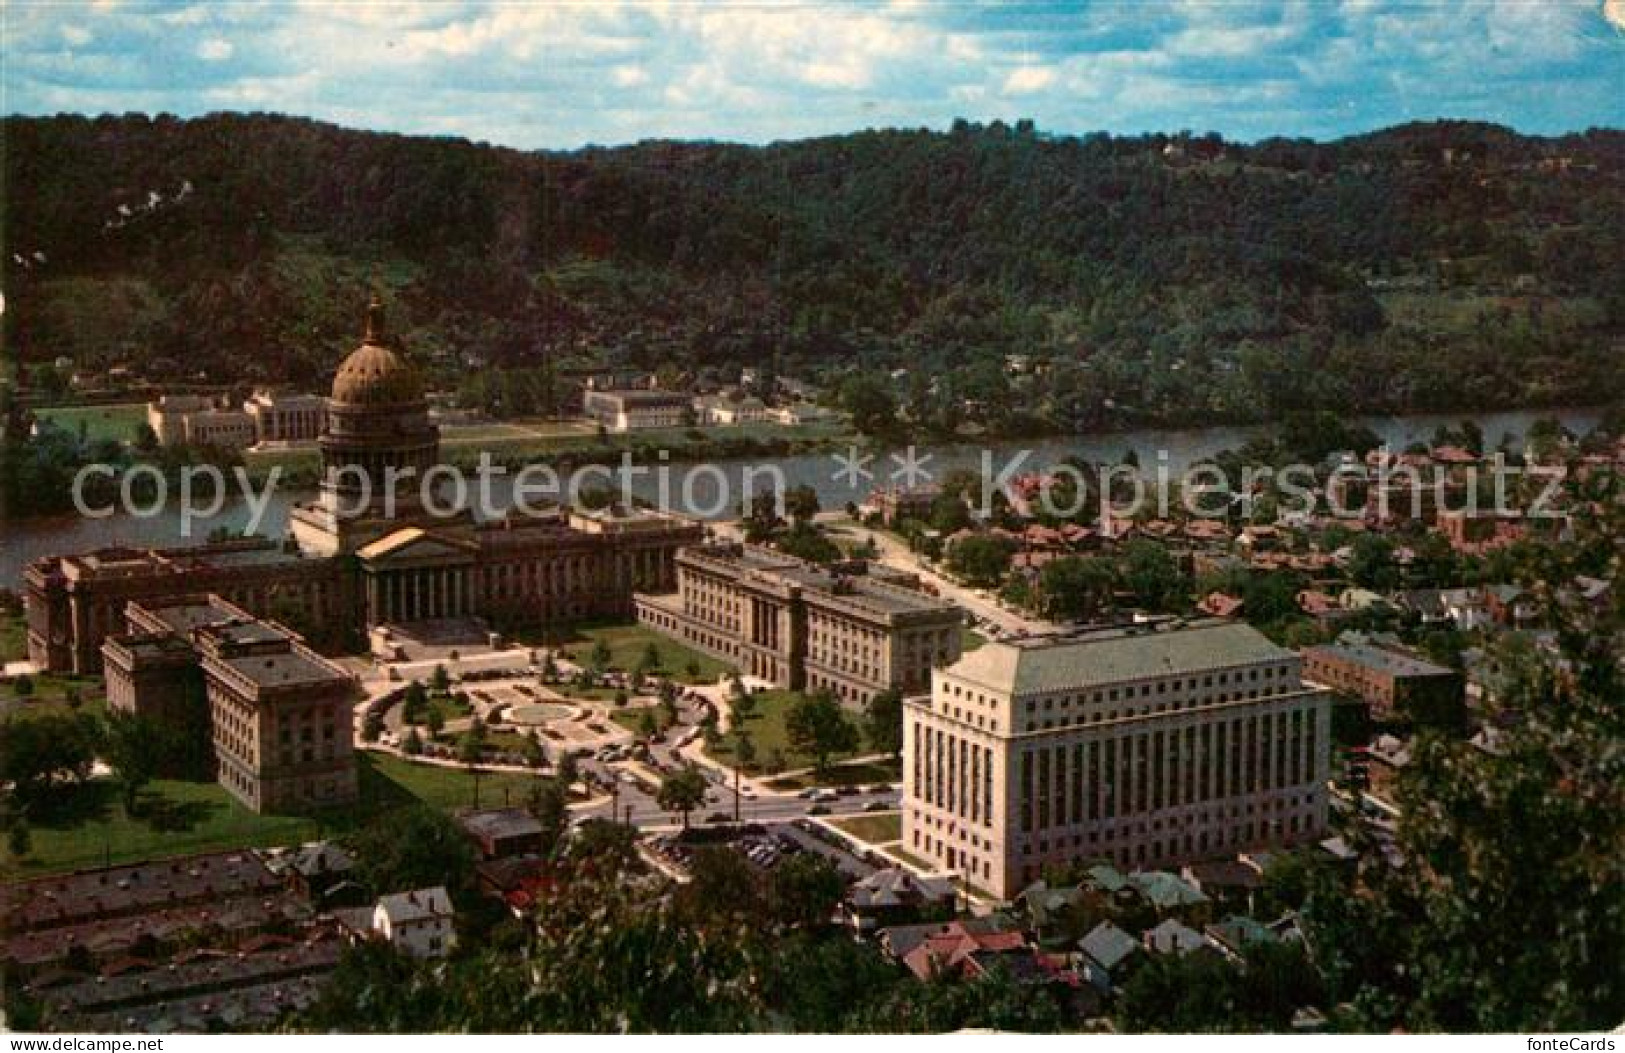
x: 563, y: 74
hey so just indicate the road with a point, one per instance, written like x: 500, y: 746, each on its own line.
x: 895, y: 554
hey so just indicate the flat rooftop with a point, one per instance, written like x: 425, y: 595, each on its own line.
x: 1382, y: 659
x: 284, y: 668
x: 1117, y: 654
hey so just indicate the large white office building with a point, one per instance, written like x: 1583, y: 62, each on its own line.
x: 1146, y: 745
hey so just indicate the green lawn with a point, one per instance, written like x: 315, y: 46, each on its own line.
x: 182, y: 818
x: 89, y: 827
x: 118, y: 422
x: 872, y: 829
x: 51, y: 692
x: 849, y: 774
x: 970, y: 639
x: 449, y: 709
x: 631, y: 718
x: 627, y: 642
x: 767, y: 731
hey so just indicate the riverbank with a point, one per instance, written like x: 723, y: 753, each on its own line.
x: 711, y: 487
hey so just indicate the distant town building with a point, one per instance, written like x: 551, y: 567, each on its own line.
x: 196, y: 421
x: 280, y: 417
x: 1159, y: 743
x: 803, y: 627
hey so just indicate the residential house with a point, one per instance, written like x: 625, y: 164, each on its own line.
x: 1173, y: 937
x: 1109, y: 956
x: 419, y: 923
x: 892, y: 896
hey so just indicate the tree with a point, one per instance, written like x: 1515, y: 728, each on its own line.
x: 817, y: 725
x: 40, y: 752
x: 435, y: 721
x: 883, y: 722
x: 23, y: 686
x: 744, y: 748
x: 682, y: 791
x: 980, y: 559
x: 1152, y: 574
x: 648, y: 724
x: 801, y: 504
x: 549, y: 804
x: 134, y: 747
x: 417, y: 848
x: 413, y: 700
x: 651, y: 656
x: 471, y: 750
x: 530, y: 748
x: 1076, y: 587
x: 440, y: 680
x: 372, y: 726
x: 601, y: 655
x: 412, y: 745
x: 18, y: 839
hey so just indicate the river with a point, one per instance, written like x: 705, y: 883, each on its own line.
x: 698, y: 489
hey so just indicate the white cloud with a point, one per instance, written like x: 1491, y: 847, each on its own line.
x: 215, y: 49
x: 77, y: 36
x: 629, y: 76
x: 1028, y: 80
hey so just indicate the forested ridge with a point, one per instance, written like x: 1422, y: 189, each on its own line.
x: 1153, y: 278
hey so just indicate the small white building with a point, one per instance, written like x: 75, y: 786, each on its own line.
x: 419, y: 923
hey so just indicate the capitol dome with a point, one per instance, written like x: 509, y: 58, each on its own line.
x: 374, y: 375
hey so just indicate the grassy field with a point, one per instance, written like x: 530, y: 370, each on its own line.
x: 767, y: 731
x: 117, y: 422
x: 872, y: 829
x: 13, y: 638
x: 862, y: 773
x: 179, y: 818
x: 51, y: 692
x: 89, y: 828
x: 627, y: 642
x: 970, y: 639
x: 631, y: 718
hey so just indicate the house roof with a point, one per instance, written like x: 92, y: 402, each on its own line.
x: 404, y: 908
x: 895, y: 887
x: 1239, y: 932
x: 1166, y: 891
x: 499, y: 823
x: 1172, y: 937
x: 1107, y: 878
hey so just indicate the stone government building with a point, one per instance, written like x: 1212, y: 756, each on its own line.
x: 358, y: 564
x: 805, y: 627
x: 1152, y: 744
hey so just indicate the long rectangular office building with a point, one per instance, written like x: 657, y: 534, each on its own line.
x: 1147, y: 745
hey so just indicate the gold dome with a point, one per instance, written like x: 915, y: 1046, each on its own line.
x: 374, y: 375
